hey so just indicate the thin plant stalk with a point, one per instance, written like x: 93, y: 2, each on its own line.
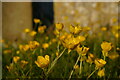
x: 80, y: 66
x: 104, y: 57
x: 44, y: 73
x: 34, y: 51
x: 54, y: 62
x: 91, y: 74
x: 104, y: 67
x: 90, y: 68
x: 73, y: 67
x: 58, y: 46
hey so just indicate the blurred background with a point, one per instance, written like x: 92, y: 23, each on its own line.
x: 16, y: 16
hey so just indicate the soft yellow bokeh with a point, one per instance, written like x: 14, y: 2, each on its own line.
x: 106, y: 46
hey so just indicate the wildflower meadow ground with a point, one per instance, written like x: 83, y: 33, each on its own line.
x: 78, y: 52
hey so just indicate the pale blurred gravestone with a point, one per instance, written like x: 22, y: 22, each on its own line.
x: 85, y: 13
x: 16, y: 16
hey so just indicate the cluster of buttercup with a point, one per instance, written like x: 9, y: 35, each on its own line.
x: 31, y: 45
x: 70, y: 39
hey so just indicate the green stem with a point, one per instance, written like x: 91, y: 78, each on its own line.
x: 44, y: 73
x: 104, y: 57
x: 28, y: 71
x: 33, y: 51
x: 54, y: 62
x: 58, y: 44
x: 73, y: 67
x: 91, y: 74
x: 104, y: 67
x: 58, y: 47
x: 71, y: 74
x: 90, y: 68
x: 80, y: 66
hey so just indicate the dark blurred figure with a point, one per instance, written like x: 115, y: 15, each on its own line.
x: 44, y: 12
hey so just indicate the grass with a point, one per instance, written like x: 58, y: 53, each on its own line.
x: 64, y: 65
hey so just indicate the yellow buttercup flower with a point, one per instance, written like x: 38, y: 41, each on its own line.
x: 23, y: 63
x: 90, y: 58
x: 86, y: 28
x: 82, y: 50
x: 56, y: 32
x: 20, y: 47
x: 7, y: 51
x: 59, y: 26
x: 69, y: 41
x: 113, y: 55
x: 99, y: 63
x: 101, y: 73
x: 75, y: 29
x: 24, y: 47
x: 16, y: 58
x: 103, y: 28
x: 115, y: 29
x: 81, y: 38
x: 118, y: 49
x: 10, y: 67
x: 33, y: 33
x: 37, y: 20
x: 45, y: 45
x: 50, y: 43
x: 57, y: 54
x: 62, y: 37
x: 116, y: 35
x: 17, y: 52
x: 91, y: 55
x: 46, y: 38
x: 76, y: 67
x: 27, y: 30
x: 33, y: 45
x: 53, y: 40
x: 42, y: 62
x: 41, y: 29
x: 106, y: 46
